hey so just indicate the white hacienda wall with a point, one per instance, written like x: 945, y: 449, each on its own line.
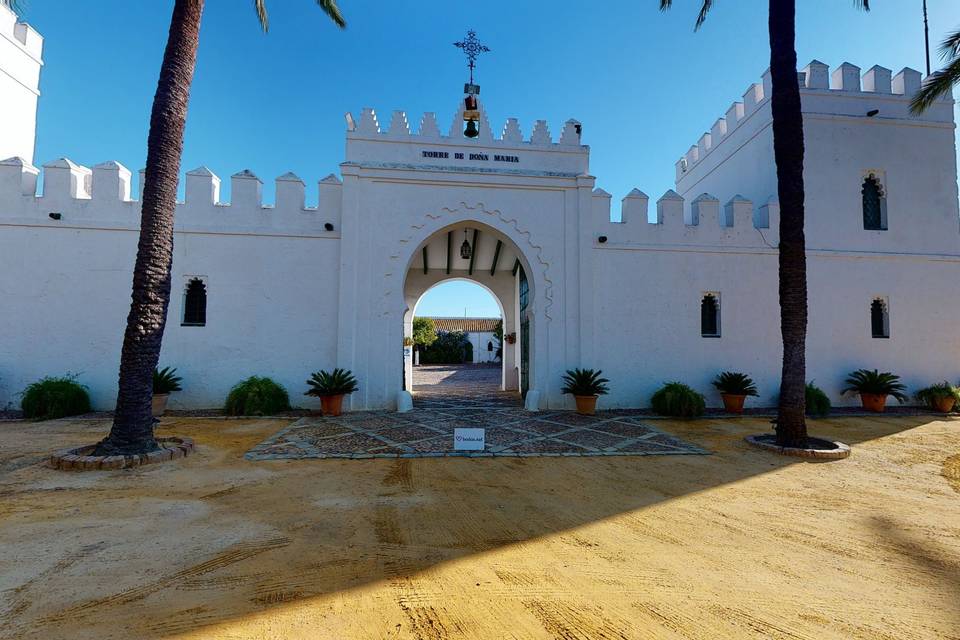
x: 293, y: 288
x: 21, y: 51
x: 480, y: 341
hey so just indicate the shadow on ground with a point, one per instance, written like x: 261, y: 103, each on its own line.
x: 437, y: 548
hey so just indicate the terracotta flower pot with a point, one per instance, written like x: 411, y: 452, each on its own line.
x: 331, y: 405
x: 875, y: 402
x: 159, y: 404
x: 944, y: 404
x: 733, y: 402
x: 586, y: 405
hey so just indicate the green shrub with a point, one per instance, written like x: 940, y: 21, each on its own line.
x: 450, y: 347
x: 166, y: 381
x: 929, y: 395
x: 677, y: 399
x: 257, y: 396
x: 52, y: 398
x: 818, y: 404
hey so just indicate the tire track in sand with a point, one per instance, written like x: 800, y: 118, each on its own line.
x: 238, y: 553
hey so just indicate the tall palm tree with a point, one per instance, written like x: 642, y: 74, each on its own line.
x: 940, y: 83
x: 132, y: 430
x: 791, y: 426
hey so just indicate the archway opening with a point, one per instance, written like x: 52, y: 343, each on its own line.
x: 458, y: 344
x: 463, y: 288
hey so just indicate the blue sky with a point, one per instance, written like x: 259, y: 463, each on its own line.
x: 643, y: 83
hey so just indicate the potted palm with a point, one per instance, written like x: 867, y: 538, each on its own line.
x: 734, y: 388
x: 942, y: 396
x: 330, y: 387
x: 874, y: 387
x: 585, y: 385
x: 165, y: 382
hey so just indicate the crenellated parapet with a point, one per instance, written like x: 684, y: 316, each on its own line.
x: 704, y: 222
x: 77, y: 196
x: 401, y: 142
x: 846, y: 92
x: 20, y: 33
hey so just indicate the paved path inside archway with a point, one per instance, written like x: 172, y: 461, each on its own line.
x: 460, y: 386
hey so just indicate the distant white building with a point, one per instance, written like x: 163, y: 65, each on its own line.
x: 677, y: 290
x: 480, y: 333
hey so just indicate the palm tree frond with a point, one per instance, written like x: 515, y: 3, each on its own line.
x: 330, y: 8
x: 702, y: 16
x: 950, y: 48
x: 937, y: 85
x: 862, y: 4
x: 260, y: 6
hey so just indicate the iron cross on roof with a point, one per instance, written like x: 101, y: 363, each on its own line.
x: 472, y: 48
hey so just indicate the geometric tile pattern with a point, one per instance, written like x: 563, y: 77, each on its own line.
x: 428, y: 432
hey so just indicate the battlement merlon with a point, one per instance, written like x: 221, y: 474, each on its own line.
x: 20, y: 34
x: 78, y: 196
x: 400, y: 146
x: 843, y: 93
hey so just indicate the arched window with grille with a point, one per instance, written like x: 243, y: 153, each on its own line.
x: 195, y: 304
x: 879, y: 318
x: 710, y: 315
x: 874, y: 204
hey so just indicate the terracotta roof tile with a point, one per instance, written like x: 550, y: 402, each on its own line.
x: 469, y: 325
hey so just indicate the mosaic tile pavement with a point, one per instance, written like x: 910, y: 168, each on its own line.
x: 428, y: 432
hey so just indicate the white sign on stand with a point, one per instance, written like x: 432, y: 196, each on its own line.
x: 469, y: 439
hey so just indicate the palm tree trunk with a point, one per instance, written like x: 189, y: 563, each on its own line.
x: 788, y: 153
x: 132, y: 430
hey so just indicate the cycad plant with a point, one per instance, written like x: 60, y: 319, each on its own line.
x: 737, y: 384
x: 331, y: 383
x: 132, y: 429
x: 166, y: 381
x: 585, y: 385
x: 877, y: 383
x: 867, y: 382
x: 331, y: 387
x: 585, y: 382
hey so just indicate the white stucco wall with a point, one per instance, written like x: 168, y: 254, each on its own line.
x: 480, y: 340
x: 293, y: 289
x: 21, y: 51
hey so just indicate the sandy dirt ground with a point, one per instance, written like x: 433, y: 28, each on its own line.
x: 738, y: 544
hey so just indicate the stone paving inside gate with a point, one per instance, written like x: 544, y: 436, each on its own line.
x: 459, y: 386
x: 424, y: 433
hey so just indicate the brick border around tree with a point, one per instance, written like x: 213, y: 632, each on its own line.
x: 77, y: 459
x: 839, y: 453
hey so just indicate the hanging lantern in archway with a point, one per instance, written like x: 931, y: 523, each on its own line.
x: 466, y: 251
